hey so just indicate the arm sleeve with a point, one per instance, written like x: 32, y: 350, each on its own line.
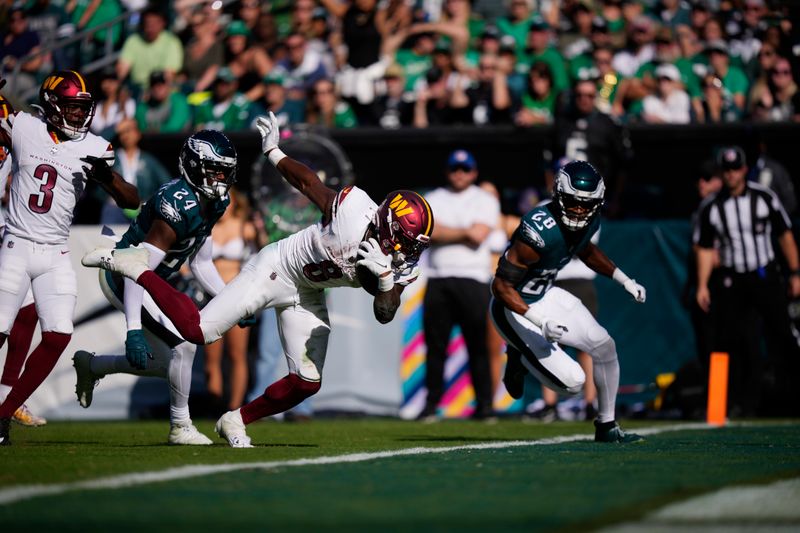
x: 204, y: 271
x: 134, y: 294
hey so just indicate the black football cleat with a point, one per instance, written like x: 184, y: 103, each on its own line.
x: 611, y: 432
x: 5, y: 428
x: 514, y: 375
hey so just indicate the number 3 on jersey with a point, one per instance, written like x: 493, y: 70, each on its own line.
x: 42, y: 201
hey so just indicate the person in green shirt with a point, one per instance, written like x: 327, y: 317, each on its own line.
x: 154, y: 49
x: 539, y: 100
x: 539, y: 49
x: 734, y: 81
x: 417, y: 60
x: 517, y: 22
x: 163, y: 109
x: 325, y: 108
x: 226, y: 108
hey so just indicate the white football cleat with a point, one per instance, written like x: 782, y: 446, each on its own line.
x: 231, y: 428
x: 25, y: 417
x: 185, y: 434
x: 86, y: 380
x: 130, y: 262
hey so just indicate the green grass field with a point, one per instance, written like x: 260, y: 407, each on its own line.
x: 573, y: 485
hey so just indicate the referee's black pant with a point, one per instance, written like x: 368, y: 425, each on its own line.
x: 465, y: 302
x: 749, y: 309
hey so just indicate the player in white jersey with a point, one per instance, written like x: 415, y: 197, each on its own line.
x: 53, y: 156
x: 356, y: 244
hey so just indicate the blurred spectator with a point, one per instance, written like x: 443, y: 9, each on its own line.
x: 394, y: 108
x: 508, y: 62
x: 639, y: 48
x: 539, y: 100
x: 747, y: 43
x: 202, y: 51
x: 301, y: 67
x: 416, y: 60
x: 88, y: 14
x: 163, y: 109
x: 326, y: 109
x: 137, y: 167
x: 234, y: 239
x: 442, y: 101
x: 734, y: 82
x: 780, y: 101
x: 265, y: 34
x: 459, y: 264
x: 248, y: 63
x: 599, y: 38
x: 714, y: 105
x: 583, y: 132
x: 767, y: 57
x: 249, y: 11
x: 699, y: 16
x: 713, y: 31
x: 576, y: 40
x: 113, y: 104
x: 226, y: 109
x: 673, y: 13
x: 458, y: 24
x: 287, y: 111
x: 611, y: 11
x: 19, y: 42
x: 49, y: 20
x: 540, y: 49
x: 608, y: 79
x: 670, y: 103
x: 489, y: 97
x: 517, y: 22
x: 154, y: 49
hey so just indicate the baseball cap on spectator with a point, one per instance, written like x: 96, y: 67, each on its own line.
x: 599, y: 24
x: 507, y: 44
x: 273, y: 78
x: 664, y: 36
x: 716, y: 45
x: 700, y: 5
x: 442, y: 47
x: 434, y: 75
x: 731, y: 157
x: 225, y: 74
x: 490, y: 32
x: 538, y: 24
x: 461, y: 159
x: 319, y: 13
x: 237, y: 27
x: 156, y: 77
x: 669, y: 71
x: 642, y: 23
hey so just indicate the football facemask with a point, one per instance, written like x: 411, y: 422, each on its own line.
x: 66, y: 103
x: 579, y: 193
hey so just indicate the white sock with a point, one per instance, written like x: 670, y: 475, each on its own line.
x: 4, y: 390
x: 180, y: 382
x: 606, y: 379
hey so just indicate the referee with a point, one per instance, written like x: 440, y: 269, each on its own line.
x: 746, y: 290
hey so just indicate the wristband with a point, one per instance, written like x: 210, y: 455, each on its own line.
x: 275, y: 155
x: 534, y: 317
x: 385, y: 283
x: 620, y: 277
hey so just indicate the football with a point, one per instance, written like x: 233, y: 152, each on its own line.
x: 368, y: 280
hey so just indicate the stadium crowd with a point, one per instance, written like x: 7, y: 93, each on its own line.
x: 192, y: 64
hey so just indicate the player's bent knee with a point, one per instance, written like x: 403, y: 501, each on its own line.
x: 574, y: 385
x: 63, y: 326
x: 307, y: 388
x: 605, y: 351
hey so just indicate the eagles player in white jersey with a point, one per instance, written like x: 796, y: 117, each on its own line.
x: 53, y: 155
x: 356, y: 244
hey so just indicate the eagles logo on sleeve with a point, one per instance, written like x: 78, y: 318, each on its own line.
x: 532, y: 235
x: 169, y: 211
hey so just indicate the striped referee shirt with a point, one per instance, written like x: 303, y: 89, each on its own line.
x: 742, y: 226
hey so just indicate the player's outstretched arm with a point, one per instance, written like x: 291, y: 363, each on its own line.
x: 124, y: 194
x: 296, y: 173
x: 598, y: 261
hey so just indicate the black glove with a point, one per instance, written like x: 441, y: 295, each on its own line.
x: 99, y: 170
x: 247, y: 321
x: 2, y: 83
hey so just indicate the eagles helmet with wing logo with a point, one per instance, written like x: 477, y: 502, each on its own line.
x: 578, y: 195
x: 403, y: 226
x: 208, y: 163
x: 67, y: 104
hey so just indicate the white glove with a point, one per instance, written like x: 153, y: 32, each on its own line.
x: 270, y: 133
x: 552, y: 330
x: 380, y: 264
x: 638, y: 291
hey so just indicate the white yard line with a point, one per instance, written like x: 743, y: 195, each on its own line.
x: 26, y: 492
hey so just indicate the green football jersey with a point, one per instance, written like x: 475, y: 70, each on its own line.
x: 177, y: 204
x: 555, y: 245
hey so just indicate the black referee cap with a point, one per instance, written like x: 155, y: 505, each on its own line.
x: 731, y: 157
